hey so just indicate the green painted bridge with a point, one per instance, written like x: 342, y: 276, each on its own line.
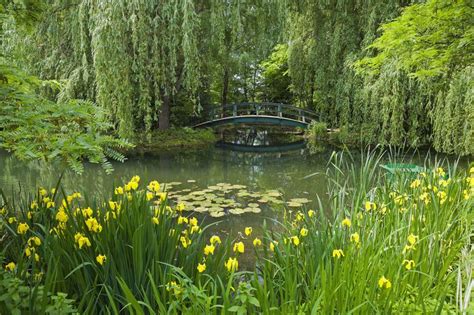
x: 275, y: 114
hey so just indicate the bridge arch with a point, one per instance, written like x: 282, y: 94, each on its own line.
x: 275, y: 114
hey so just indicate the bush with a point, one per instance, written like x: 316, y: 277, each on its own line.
x: 317, y: 130
x: 176, y: 138
x: 18, y: 298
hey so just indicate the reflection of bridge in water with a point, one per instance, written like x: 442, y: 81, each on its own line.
x: 298, y: 145
x: 275, y: 114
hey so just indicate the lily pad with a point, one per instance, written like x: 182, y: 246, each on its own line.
x: 243, y: 194
x: 201, y: 209
x: 215, y: 209
x: 293, y: 204
x: 199, y: 198
x: 256, y: 210
x: 274, y: 194
x: 300, y: 200
x: 236, y: 211
x: 217, y: 214
x: 197, y: 193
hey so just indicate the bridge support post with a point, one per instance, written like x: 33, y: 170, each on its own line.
x: 234, y: 110
x: 279, y: 110
x: 301, y: 114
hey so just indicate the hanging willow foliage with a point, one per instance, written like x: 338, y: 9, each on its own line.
x: 130, y: 57
x: 139, y: 57
x: 144, y: 52
x: 416, y: 83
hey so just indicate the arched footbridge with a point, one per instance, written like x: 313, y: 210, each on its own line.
x: 275, y: 114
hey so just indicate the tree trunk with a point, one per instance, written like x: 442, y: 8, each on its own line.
x: 225, y: 89
x: 164, y: 118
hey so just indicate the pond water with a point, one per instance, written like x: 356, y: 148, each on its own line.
x: 238, y: 184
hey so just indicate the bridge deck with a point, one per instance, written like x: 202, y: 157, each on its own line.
x: 260, y: 114
x: 254, y: 120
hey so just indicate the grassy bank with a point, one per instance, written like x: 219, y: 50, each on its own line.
x: 174, y: 139
x: 386, y: 245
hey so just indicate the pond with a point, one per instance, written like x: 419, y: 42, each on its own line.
x: 233, y: 185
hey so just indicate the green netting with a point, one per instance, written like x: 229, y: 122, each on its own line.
x: 393, y: 168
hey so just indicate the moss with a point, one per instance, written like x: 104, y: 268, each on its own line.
x: 174, y: 139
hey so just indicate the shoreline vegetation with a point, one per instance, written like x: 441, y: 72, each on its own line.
x: 399, y: 244
x: 173, y: 139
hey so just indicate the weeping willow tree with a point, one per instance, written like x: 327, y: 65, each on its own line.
x: 131, y: 57
x: 240, y: 35
x: 422, y: 77
x: 413, y: 85
x: 140, y: 58
x: 325, y: 37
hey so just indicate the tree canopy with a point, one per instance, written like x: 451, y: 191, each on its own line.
x: 390, y: 72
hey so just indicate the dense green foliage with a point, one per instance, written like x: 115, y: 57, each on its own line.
x: 175, y: 139
x: 386, y: 244
x: 422, y: 77
x: 17, y: 297
x: 161, y: 56
x: 416, y: 80
x: 34, y: 127
x: 389, y: 72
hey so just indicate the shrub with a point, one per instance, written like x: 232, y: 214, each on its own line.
x: 317, y: 130
x: 16, y: 297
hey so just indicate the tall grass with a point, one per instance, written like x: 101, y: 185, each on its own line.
x: 385, y: 245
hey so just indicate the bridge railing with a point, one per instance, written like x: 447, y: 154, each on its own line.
x: 264, y: 109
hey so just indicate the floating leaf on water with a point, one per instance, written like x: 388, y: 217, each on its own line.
x: 212, y: 188
x: 185, y: 197
x: 263, y: 200
x: 274, y: 193
x: 294, y: 204
x: 300, y: 200
x: 174, y: 183
x: 243, y: 194
x: 256, y: 210
x: 278, y: 202
x: 247, y: 209
x: 201, y: 209
x: 216, y: 209
x: 198, y: 193
x: 216, y: 214
x: 191, y: 180
x: 236, y: 211
x: 239, y: 186
x: 199, y: 198
x: 186, y: 190
x: 253, y: 205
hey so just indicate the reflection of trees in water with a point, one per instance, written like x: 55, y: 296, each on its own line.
x: 259, y: 136
x: 282, y: 170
